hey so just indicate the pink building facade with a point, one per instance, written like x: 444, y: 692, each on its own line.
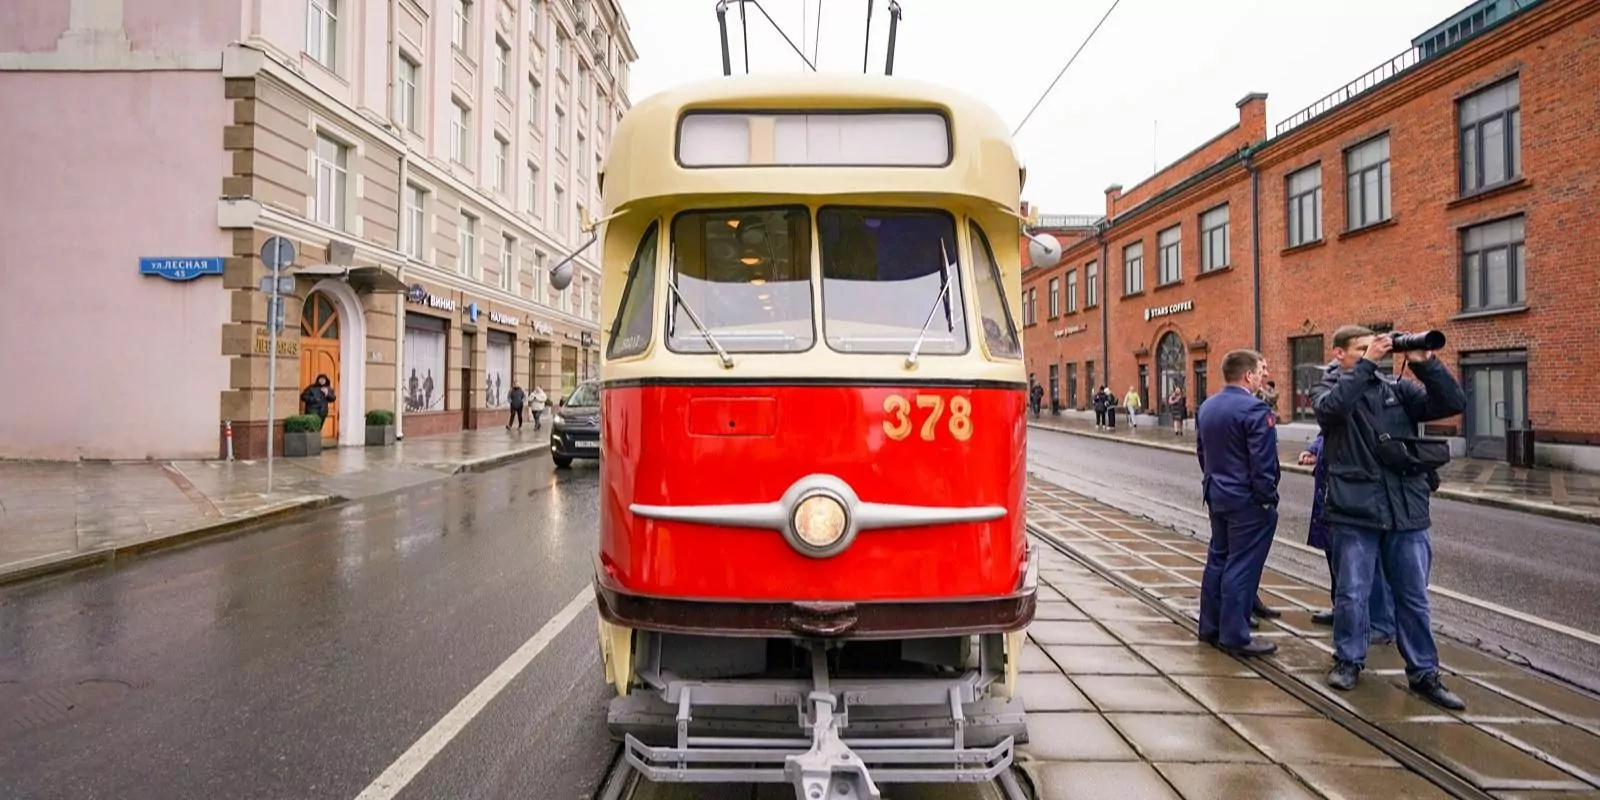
x: 427, y: 158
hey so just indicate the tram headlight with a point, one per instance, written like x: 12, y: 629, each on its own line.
x: 819, y: 520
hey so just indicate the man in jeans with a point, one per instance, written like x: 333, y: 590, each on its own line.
x: 1374, y: 513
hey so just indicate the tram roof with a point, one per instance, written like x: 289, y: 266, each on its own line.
x: 643, y: 162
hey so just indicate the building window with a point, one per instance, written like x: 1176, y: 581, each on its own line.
x: 1200, y: 384
x: 1091, y: 284
x: 1492, y: 270
x: 1491, y: 136
x: 1072, y: 291
x: 459, y: 125
x: 583, y: 154
x: 467, y: 240
x: 508, y: 264
x: 1030, y: 310
x: 1214, y: 238
x: 1309, y: 363
x: 1072, y: 385
x: 583, y: 85
x: 1133, y: 268
x: 1089, y: 377
x: 533, y: 102
x: 1305, y: 205
x: 502, y: 164
x: 531, y: 191
x: 333, y: 180
x: 1055, y: 387
x: 561, y: 130
x: 1169, y: 267
x: 558, y: 210
x: 1055, y: 298
x: 322, y: 31
x: 405, y: 92
x: 502, y: 66
x: 1366, y: 167
x: 561, y: 52
x: 415, y: 218
x: 461, y: 22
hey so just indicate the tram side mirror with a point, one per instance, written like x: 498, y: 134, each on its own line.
x: 561, y: 276
x: 1044, y: 250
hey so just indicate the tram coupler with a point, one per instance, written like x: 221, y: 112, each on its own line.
x: 830, y: 768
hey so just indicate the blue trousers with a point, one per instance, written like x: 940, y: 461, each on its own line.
x: 1380, y: 601
x: 1406, y: 557
x: 1240, y: 541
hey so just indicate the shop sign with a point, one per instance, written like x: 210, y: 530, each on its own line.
x: 1062, y: 333
x: 286, y: 348
x: 1162, y: 311
x: 180, y: 269
x: 502, y: 319
x: 586, y: 338
x: 543, y: 328
x: 421, y: 296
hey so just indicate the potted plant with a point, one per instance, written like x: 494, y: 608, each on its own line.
x: 380, y: 428
x: 302, y: 435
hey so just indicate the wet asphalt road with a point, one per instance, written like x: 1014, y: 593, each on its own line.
x: 1536, y: 565
x: 300, y: 660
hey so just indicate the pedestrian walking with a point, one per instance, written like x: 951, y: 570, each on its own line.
x: 1035, y: 397
x: 1237, y: 444
x: 536, y: 403
x: 1131, y: 402
x: 1379, y: 479
x: 515, y: 398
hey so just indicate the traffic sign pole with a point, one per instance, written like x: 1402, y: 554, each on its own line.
x: 277, y: 253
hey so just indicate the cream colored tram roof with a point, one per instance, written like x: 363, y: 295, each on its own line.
x: 642, y: 164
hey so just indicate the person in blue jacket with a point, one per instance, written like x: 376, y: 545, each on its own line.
x: 1380, y: 604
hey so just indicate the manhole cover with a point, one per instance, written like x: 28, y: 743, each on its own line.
x: 57, y: 704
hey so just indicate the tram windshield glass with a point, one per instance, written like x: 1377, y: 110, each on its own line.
x: 886, y: 273
x: 746, y: 274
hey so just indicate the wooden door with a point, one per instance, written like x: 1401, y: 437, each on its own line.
x: 319, y: 354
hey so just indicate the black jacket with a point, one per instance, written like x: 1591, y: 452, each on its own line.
x: 1353, y: 406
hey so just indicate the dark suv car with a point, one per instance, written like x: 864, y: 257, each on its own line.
x: 575, y: 430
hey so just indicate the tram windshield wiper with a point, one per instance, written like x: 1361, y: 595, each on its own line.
x: 727, y: 360
x: 944, y: 288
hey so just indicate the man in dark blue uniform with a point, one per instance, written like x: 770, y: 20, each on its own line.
x: 1237, y: 442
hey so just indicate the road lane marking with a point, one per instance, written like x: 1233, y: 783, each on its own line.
x: 1476, y: 602
x: 411, y: 762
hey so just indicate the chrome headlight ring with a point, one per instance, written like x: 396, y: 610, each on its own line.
x: 813, y: 500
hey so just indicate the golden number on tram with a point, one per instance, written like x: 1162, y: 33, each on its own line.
x: 899, y: 424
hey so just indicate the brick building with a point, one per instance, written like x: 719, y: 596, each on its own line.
x: 1445, y: 189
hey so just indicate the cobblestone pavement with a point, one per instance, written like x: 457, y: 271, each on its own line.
x: 1125, y: 702
x: 54, y: 514
x: 1553, y: 492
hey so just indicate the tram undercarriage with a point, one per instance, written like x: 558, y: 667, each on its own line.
x: 832, y: 717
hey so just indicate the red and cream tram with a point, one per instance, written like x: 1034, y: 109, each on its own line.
x: 812, y: 564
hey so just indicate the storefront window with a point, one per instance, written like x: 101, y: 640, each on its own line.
x: 497, y: 376
x: 569, y: 369
x: 424, y: 363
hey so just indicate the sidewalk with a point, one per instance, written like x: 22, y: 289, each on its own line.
x: 1125, y: 702
x: 57, y: 515
x: 1547, y: 492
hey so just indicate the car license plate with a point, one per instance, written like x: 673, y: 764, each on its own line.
x: 587, y: 444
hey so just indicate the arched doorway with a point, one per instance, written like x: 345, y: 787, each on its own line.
x: 1169, y: 369
x: 319, y: 353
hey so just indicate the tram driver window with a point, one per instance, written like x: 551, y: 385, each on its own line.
x: 999, y: 330
x: 885, y: 272
x: 746, y: 273
x: 630, y: 331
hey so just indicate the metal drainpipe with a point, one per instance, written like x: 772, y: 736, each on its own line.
x: 1105, y: 307
x: 1255, y: 241
x: 400, y: 310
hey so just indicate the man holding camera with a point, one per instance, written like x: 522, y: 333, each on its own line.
x: 1379, y: 478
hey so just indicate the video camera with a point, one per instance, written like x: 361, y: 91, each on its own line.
x: 1401, y: 342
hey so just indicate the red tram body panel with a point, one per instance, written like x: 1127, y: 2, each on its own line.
x: 709, y: 444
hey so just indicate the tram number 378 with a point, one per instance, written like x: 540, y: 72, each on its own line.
x: 931, y: 409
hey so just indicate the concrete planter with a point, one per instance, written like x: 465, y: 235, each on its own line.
x: 301, y: 444
x: 380, y: 435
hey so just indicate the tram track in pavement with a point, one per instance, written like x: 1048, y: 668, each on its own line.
x: 1434, y: 772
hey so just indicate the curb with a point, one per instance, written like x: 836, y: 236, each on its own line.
x: 110, y: 554
x: 206, y: 532
x: 1507, y: 503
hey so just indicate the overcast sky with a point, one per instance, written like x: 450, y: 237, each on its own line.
x: 1159, y: 78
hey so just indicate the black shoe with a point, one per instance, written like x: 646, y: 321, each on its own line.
x: 1322, y: 618
x: 1343, y: 676
x: 1253, y: 623
x: 1254, y: 648
x: 1431, y: 690
x: 1264, y: 611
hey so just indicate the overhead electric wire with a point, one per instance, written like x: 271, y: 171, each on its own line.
x: 1064, y: 69
x: 781, y: 32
